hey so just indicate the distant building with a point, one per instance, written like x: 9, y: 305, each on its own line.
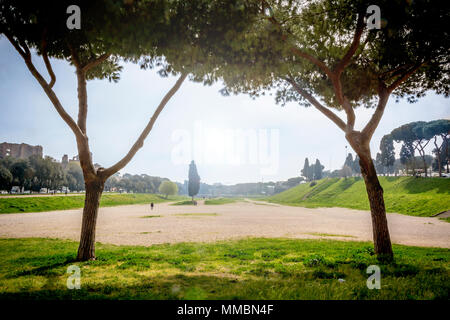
x: 75, y: 159
x: 65, y: 161
x: 21, y: 151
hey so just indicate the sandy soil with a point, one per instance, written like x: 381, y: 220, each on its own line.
x: 125, y: 225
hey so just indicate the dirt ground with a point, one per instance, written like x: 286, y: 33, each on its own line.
x: 126, y: 225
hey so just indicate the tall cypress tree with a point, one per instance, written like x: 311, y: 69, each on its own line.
x: 356, y: 168
x: 387, y: 152
x: 318, y: 168
x: 306, y: 169
x: 349, y: 161
x: 194, y: 180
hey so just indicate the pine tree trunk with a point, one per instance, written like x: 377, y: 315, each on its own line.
x: 381, y: 237
x: 86, y: 249
x: 439, y: 164
x: 446, y: 151
x: 425, y: 166
x: 438, y: 153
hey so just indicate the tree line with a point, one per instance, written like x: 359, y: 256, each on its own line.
x: 138, y: 183
x: 415, y: 137
x: 313, y: 171
x: 316, y: 171
x: 35, y: 173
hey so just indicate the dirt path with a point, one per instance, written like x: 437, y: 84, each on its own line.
x: 169, y: 224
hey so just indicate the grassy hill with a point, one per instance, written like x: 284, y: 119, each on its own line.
x: 406, y: 195
x: 37, y: 204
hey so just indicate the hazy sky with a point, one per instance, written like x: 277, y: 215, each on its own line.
x: 232, y: 139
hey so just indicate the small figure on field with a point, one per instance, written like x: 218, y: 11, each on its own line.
x: 151, y: 205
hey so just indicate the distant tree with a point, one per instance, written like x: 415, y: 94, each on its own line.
x: 5, y: 178
x: 443, y: 156
x: 318, y: 169
x: 292, y: 182
x: 74, y: 175
x: 387, y: 155
x: 336, y: 174
x: 141, y: 183
x: 417, y: 135
x: 349, y: 162
x: 435, y: 129
x: 306, y: 171
x: 22, y: 172
x: 194, y: 180
x: 407, y: 156
x: 414, y: 135
x: 311, y: 171
x: 379, y: 167
x: 168, y: 188
x: 345, y: 172
x: 47, y: 173
x: 398, y: 166
x: 356, y: 168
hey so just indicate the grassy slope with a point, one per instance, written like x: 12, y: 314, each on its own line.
x: 407, y: 195
x: 243, y: 269
x: 183, y: 203
x: 37, y: 204
x: 217, y: 201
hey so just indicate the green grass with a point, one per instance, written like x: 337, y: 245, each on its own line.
x: 447, y: 219
x: 330, y: 235
x: 153, y: 216
x: 183, y: 203
x: 195, y: 214
x: 34, y: 194
x: 219, y: 201
x: 406, y: 195
x: 239, y: 269
x: 37, y: 204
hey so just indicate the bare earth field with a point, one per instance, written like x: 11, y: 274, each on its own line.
x: 127, y: 225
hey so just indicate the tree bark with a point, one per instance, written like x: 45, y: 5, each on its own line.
x: 438, y: 153
x: 425, y: 166
x: 86, y: 249
x: 381, y: 237
x: 446, y: 153
x: 421, y: 148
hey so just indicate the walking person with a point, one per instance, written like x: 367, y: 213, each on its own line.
x: 151, y: 205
